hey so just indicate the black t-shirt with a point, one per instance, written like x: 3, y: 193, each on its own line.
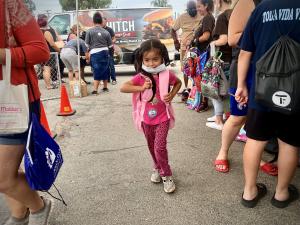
x: 207, y: 25
x: 220, y: 29
x: 110, y: 31
x: 53, y: 33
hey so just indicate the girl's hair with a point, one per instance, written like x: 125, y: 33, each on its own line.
x: 209, y: 4
x: 151, y: 44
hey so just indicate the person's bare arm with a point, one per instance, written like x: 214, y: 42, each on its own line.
x: 175, y: 39
x: 241, y: 94
x: 129, y: 87
x: 222, y: 40
x: 169, y: 97
x: 2, y: 56
x: 204, y: 37
x: 50, y: 40
x: 238, y: 20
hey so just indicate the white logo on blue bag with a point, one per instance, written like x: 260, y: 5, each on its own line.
x: 50, y: 156
x: 281, y: 98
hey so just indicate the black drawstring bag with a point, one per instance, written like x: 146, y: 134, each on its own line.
x: 278, y: 77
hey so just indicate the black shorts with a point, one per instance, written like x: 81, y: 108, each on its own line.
x: 262, y: 126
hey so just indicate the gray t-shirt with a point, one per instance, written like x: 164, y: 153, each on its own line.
x: 98, y: 37
x: 73, y: 45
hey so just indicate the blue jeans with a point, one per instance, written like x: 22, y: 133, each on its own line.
x: 112, y: 71
x: 100, y: 65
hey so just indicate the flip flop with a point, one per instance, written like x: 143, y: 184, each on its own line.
x: 222, y: 162
x: 269, y: 169
x: 293, y: 196
x: 261, y: 192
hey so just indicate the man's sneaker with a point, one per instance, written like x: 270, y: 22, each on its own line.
x: 14, y: 221
x: 169, y: 185
x: 215, y: 125
x: 114, y: 82
x: 94, y: 92
x: 105, y: 90
x: 155, y: 176
x: 213, y: 118
x: 41, y: 217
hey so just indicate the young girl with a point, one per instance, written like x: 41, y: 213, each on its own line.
x: 153, y: 113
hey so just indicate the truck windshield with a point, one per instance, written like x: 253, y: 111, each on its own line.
x: 60, y: 23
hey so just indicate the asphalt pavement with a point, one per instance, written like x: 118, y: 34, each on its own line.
x: 105, y: 178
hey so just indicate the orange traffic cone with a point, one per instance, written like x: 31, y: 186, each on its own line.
x: 65, y: 106
x: 44, y: 121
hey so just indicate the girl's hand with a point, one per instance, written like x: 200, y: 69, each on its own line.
x: 169, y: 97
x: 147, y: 84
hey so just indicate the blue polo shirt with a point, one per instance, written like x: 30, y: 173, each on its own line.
x: 269, y: 20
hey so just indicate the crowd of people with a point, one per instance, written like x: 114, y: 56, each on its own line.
x: 94, y: 49
x: 225, y: 25
x: 243, y: 36
x: 239, y: 29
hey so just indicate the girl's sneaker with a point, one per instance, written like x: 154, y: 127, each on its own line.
x: 169, y: 185
x: 155, y: 176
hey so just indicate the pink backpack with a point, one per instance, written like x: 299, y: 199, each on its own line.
x: 140, y: 99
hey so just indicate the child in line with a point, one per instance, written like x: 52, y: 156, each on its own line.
x: 153, y: 113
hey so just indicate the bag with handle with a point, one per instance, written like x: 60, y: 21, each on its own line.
x: 214, y: 83
x: 14, y: 103
x: 43, y: 158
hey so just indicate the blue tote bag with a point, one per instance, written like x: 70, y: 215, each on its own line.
x: 42, y: 159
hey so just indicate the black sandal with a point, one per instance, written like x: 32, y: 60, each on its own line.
x: 293, y: 196
x: 261, y: 192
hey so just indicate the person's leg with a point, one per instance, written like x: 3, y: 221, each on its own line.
x: 95, y: 69
x: 251, y: 160
x: 112, y: 70
x: 230, y: 131
x: 17, y: 209
x: 219, y: 111
x: 149, y: 132
x: 105, y: 84
x: 76, y: 75
x: 185, y: 78
x: 96, y: 85
x: 13, y: 182
x: 70, y: 74
x: 160, y: 148
x: 287, y: 164
x: 47, y: 76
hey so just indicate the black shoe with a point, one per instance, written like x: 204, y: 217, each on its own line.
x: 105, y: 90
x: 293, y: 196
x: 261, y: 192
x: 94, y: 92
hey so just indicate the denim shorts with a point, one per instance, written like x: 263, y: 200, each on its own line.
x: 100, y: 65
x: 20, y: 139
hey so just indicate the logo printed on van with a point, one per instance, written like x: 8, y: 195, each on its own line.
x: 281, y: 98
